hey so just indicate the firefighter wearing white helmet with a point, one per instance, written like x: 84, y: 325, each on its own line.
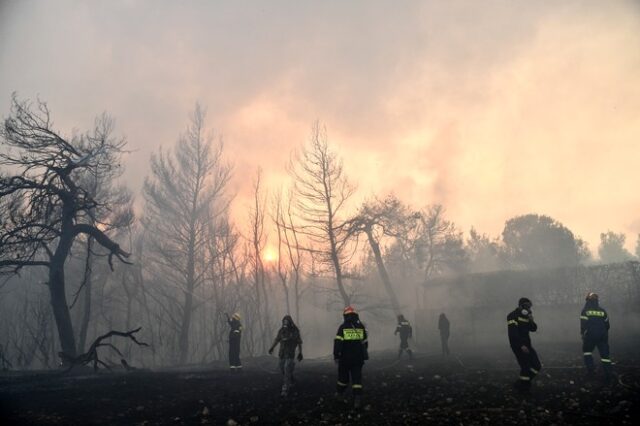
x: 235, y: 335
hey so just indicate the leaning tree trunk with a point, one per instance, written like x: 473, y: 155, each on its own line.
x: 375, y: 247
x: 338, y: 269
x: 86, y: 306
x: 59, y: 297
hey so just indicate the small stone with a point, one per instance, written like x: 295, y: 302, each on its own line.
x: 232, y: 422
x: 254, y: 419
x: 437, y: 377
x: 140, y: 408
x: 205, y: 411
x: 449, y: 400
x: 571, y: 382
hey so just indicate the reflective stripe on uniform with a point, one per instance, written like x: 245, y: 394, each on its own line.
x: 339, y: 338
x: 514, y: 322
x: 356, y: 386
x: 583, y: 317
x: 605, y: 360
x: 525, y: 378
x: 594, y: 313
x: 587, y: 354
x: 353, y: 333
x: 341, y: 384
x: 534, y: 371
x: 523, y: 319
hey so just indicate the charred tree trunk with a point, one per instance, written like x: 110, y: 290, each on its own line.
x: 57, y: 291
x: 86, y: 306
x: 375, y: 247
x: 338, y: 269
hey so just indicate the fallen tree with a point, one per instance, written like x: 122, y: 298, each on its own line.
x: 91, y: 356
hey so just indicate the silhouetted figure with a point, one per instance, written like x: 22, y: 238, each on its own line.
x: 443, y: 326
x: 406, y: 332
x: 519, y: 323
x: 235, y: 335
x: 594, y: 327
x: 350, y: 350
x: 289, y: 339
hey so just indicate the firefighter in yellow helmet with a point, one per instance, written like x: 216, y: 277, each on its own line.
x: 235, y: 335
x: 350, y: 350
x: 594, y: 328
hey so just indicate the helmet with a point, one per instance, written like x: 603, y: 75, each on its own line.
x: 524, y: 300
x: 236, y: 316
x: 591, y: 296
x: 349, y: 310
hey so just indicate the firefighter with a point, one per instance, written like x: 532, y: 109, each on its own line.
x: 443, y: 326
x: 235, y: 334
x: 350, y: 350
x: 289, y: 339
x: 520, y: 323
x: 594, y: 327
x: 406, y: 332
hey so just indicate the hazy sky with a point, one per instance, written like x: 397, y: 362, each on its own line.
x: 492, y: 108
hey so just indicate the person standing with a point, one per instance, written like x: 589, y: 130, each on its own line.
x: 350, y: 351
x: 235, y: 336
x: 594, y: 328
x: 406, y: 332
x: 443, y: 326
x: 520, y: 323
x: 289, y: 339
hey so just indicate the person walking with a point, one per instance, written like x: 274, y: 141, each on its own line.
x: 406, y: 332
x: 350, y: 351
x: 443, y: 327
x: 594, y: 328
x: 519, y: 324
x: 289, y: 339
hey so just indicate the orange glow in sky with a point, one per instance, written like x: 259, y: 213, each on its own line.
x: 269, y: 255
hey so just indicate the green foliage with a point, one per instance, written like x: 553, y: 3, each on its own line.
x: 611, y: 249
x: 536, y: 242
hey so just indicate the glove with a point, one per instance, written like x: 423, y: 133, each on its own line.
x: 300, y: 358
x: 271, y: 351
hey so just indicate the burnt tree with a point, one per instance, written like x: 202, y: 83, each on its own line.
x: 43, y: 205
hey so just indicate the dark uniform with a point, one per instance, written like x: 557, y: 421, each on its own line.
x: 520, y: 323
x: 405, y: 330
x: 289, y: 339
x: 594, y: 327
x: 235, y: 334
x: 443, y: 326
x: 350, y: 350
